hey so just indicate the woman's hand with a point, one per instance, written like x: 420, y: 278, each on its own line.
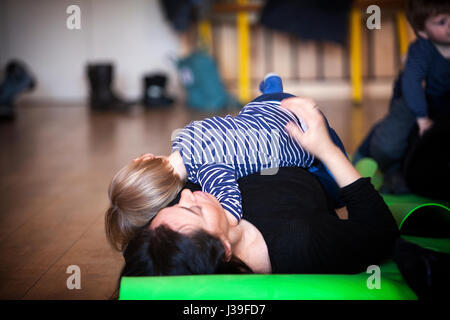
x: 316, y: 138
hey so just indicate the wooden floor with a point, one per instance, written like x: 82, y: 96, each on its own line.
x: 56, y: 162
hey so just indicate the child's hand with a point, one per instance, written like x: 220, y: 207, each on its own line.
x: 316, y: 138
x: 146, y: 156
x: 424, y: 124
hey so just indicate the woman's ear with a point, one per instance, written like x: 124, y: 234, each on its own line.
x: 228, y: 252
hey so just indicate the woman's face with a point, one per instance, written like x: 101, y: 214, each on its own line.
x: 195, y: 210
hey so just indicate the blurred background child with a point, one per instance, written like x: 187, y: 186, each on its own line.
x: 421, y: 93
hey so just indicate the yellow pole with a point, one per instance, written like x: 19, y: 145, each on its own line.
x: 205, y: 35
x: 356, y: 55
x: 356, y: 128
x: 243, y: 29
x: 402, y: 31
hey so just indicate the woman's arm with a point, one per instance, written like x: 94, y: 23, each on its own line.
x: 363, y: 202
x: 340, y: 167
x: 317, y: 141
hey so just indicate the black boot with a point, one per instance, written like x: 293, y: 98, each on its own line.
x: 155, y: 91
x: 101, y: 95
x: 17, y: 79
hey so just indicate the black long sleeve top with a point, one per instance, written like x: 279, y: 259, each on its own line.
x: 304, y: 234
x: 302, y: 231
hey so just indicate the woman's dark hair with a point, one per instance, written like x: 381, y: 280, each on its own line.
x: 164, y: 252
x: 420, y: 10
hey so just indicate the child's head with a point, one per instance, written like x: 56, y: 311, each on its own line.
x: 137, y: 192
x: 430, y: 19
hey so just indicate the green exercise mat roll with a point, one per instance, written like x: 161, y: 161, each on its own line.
x: 269, y: 287
x: 403, y: 206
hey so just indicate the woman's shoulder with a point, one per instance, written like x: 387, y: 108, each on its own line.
x: 256, y: 250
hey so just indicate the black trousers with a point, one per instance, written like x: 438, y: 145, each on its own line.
x: 427, y: 164
x: 423, y: 161
x: 388, y: 141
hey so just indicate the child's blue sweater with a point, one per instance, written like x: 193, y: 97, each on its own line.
x: 426, y: 63
x: 218, y: 151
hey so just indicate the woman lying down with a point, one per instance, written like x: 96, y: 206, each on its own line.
x: 288, y: 225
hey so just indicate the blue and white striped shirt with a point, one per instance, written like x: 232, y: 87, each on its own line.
x: 218, y: 151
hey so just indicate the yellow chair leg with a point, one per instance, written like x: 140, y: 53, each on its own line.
x: 402, y: 32
x: 356, y: 55
x: 356, y: 128
x: 244, y: 55
x: 205, y: 35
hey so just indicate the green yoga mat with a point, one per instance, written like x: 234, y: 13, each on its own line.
x: 268, y: 287
x: 403, y: 206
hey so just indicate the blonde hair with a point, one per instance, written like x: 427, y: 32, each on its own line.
x: 137, y: 192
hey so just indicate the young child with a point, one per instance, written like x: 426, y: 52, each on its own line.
x: 213, y: 153
x: 414, y: 106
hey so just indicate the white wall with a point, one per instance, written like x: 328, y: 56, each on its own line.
x: 133, y: 34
